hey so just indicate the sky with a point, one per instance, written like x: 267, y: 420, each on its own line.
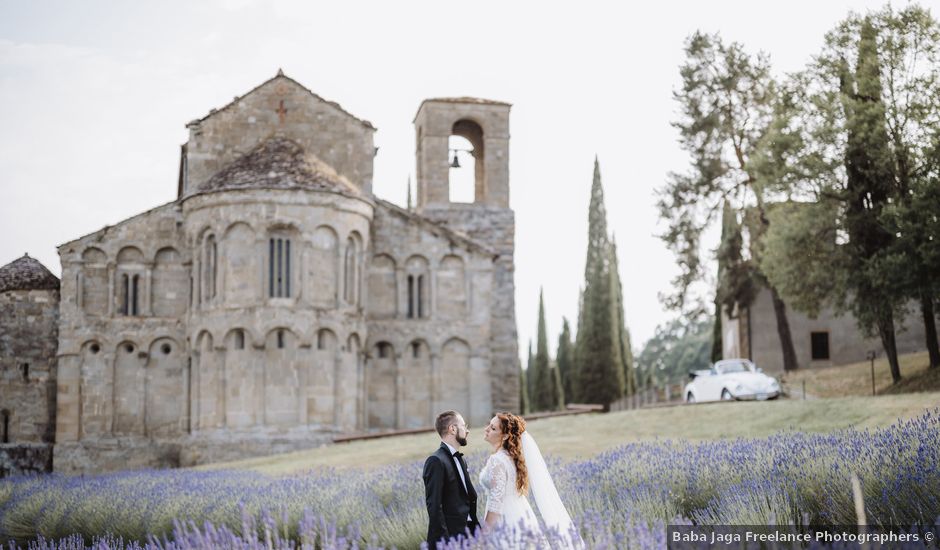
x: 94, y: 98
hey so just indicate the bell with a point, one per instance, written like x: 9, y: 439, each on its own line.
x: 455, y: 163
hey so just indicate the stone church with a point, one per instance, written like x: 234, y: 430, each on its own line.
x: 277, y: 302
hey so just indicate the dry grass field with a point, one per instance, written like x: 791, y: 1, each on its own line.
x: 583, y: 436
x: 855, y: 379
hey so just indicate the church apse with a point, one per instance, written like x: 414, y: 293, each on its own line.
x: 277, y: 303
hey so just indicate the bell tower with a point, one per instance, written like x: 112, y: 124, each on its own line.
x: 488, y: 219
x: 485, y: 124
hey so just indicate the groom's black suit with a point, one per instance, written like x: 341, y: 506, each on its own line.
x: 448, y: 503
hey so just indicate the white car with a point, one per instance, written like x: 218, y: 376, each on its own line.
x: 731, y: 379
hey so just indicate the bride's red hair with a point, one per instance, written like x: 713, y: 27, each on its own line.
x: 513, y: 426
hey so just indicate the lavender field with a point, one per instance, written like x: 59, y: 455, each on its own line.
x: 621, y: 499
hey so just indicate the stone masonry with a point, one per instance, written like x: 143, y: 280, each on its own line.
x: 277, y: 303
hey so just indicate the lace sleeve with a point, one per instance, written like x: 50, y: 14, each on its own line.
x: 499, y: 477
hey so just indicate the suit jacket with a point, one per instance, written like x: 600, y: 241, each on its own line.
x: 448, y: 503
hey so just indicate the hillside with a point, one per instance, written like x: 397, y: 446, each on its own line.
x: 583, y: 436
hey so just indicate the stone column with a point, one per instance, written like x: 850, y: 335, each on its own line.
x: 80, y: 290
x: 110, y: 290
x: 147, y: 305
x: 302, y: 376
x: 339, y: 392
x: 401, y: 294
x: 399, y: 391
x: 194, y: 391
x: 68, y: 399
x: 432, y: 291
x: 365, y: 391
x: 435, y: 384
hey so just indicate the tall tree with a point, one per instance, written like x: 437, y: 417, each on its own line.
x: 558, y: 391
x: 523, y: 392
x: 677, y: 347
x: 543, y: 391
x: 909, y: 45
x: 622, y: 334
x: 564, y: 358
x: 727, y: 99
x: 597, y: 350
x: 530, y: 380
x: 870, y: 179
x: 856, y: 136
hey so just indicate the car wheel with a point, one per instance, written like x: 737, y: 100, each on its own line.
x: 726, y: 395
x: 690, y: 398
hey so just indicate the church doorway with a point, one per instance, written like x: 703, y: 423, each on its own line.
x: 4, y: 426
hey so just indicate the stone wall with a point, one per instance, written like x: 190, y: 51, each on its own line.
x: 25, y: 458
x: 267, y: 317
x: 428, y: 357
x: 283, y: 107
x: 28, y: 339
x: 846, y: 342
x: 496, y: 228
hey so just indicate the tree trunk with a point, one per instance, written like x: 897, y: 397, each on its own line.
x: 783, y: 331
x: 886, y: 331
x: 930, y: 327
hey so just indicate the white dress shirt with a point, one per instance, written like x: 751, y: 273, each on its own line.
x: 459, y: 471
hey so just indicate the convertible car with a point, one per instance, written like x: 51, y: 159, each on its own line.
x: 731, y: 379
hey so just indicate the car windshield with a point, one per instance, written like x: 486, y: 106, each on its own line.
x: 737, y: 366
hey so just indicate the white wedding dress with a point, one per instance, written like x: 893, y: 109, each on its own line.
x: 498, y: 478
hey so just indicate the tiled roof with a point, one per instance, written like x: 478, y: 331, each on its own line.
x: 27, y: 274
x: 279, y: 163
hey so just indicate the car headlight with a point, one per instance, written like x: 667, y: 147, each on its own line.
x: 774, y: 385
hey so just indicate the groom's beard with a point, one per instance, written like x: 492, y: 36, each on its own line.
x: 462, y: 441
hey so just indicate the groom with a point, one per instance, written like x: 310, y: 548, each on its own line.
x: 450, y: 497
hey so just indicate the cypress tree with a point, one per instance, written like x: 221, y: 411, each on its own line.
x: 597, y: 356
x: 869, y: 184
x: 564, y: 358
x: 530, y: 380
x: 558, y: 393
x: 622, y: 334
x: 523, y: 394
x: 542, y: 396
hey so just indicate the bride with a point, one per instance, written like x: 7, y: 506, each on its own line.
x: 516, y: 466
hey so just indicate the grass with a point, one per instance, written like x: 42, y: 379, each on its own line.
x: 621, y: 498
x: 584, y: 436
x: 855, y: 379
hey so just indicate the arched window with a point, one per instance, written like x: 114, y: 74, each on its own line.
x: 239, y: 339
x: 351, y: 271
x: 130, y: 289
x: 210, y: 267
x: 384, y: 350
x: 129, y: 270
x: 466, y: 174
x: 462, y: 168
x: 417, y: 287
x: 279, y: 262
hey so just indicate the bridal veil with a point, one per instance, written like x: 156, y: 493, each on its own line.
x: 546, y: 497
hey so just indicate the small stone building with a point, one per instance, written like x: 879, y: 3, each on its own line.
x: 825, y: 341
x: 277, y: 302
x: 29, y: 319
